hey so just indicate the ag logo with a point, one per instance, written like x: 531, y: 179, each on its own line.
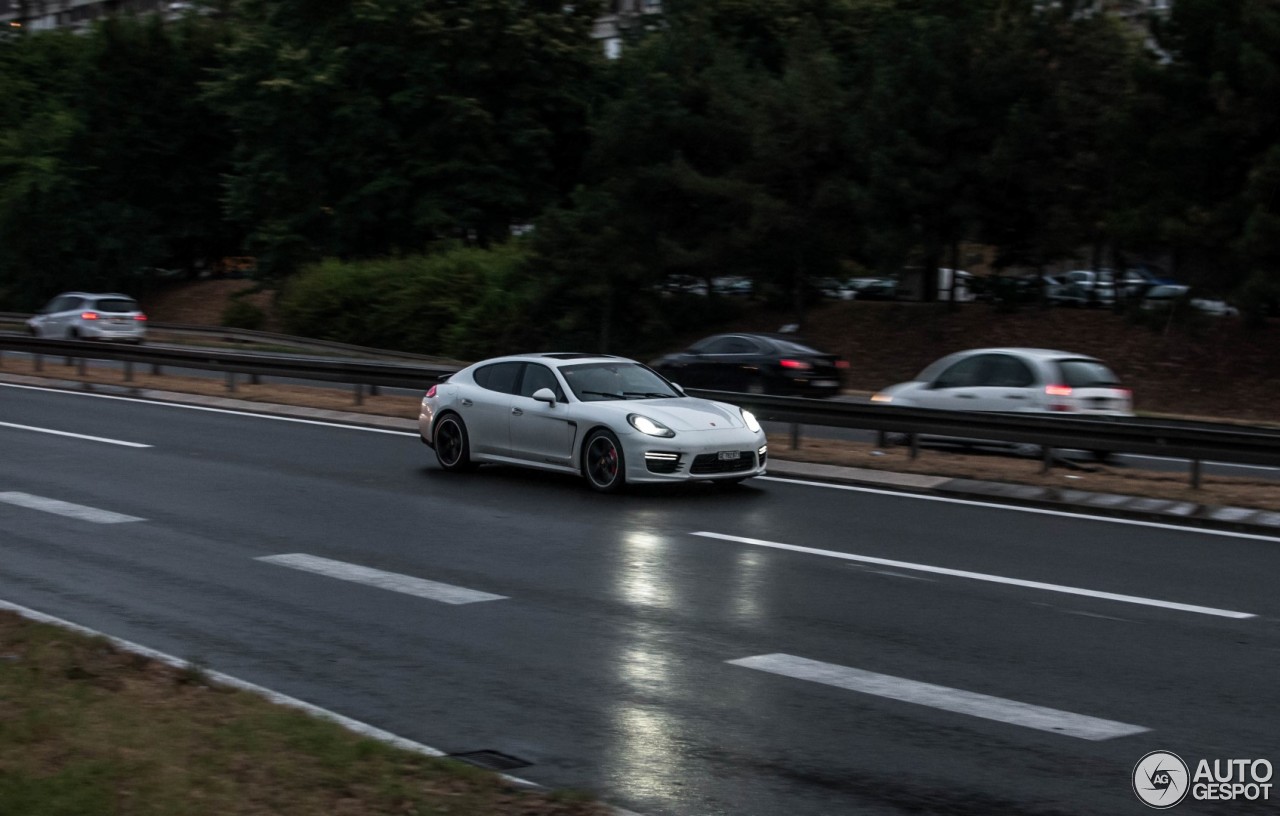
x: 1161, y: 779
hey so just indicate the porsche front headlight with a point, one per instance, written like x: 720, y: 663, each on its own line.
x: 648, y: 426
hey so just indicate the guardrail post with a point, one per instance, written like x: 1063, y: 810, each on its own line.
x: 914, y: 441
x: 80, y: 367
x: 358, y: 392
x: 795, y: 436
x: 231, y: 381
x: 128, y: 371
x: 880, y: 439
x: 1195, y: 474
x: 255, y: 379
x: 155, y: 369
x: 67, y: 362
x: 39, y: 362
x: 1047, y: 463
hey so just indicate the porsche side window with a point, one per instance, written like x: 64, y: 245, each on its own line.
x: 539, y: 376
x: 500, y: 377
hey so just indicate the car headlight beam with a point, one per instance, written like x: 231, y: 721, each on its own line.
x: 649, y: 426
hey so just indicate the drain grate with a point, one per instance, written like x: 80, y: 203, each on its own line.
x: 493, y: 760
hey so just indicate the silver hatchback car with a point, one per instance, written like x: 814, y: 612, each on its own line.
x: 1015, y: 379
x: 90, y: 316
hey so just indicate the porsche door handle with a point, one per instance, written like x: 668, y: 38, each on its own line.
x: 466, y: 403
x: 516, y: 412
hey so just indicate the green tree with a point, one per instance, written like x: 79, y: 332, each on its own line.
x: 386, y: 125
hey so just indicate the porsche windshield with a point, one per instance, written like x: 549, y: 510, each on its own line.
x: 593, y: 382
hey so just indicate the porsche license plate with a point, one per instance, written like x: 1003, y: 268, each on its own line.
x: 730, y: 456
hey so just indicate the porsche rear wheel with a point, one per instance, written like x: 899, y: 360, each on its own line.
x: 453, y: 449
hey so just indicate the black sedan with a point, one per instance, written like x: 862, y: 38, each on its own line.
x: 755, y: 364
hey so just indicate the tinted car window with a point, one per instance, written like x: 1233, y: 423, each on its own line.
x: 116, y: 305
x: 962, y: 374
x: 499, y: 377
x: 1006, y: 371
x: 539, y: 376
x: 788, y: 347
x: 730, y: 345
x: 1086, y: 373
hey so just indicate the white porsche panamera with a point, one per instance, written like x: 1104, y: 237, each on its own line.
x: 610, y: 419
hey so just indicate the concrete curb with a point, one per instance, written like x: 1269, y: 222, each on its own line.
x: 1184, y: 514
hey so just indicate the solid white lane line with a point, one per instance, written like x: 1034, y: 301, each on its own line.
x: 74, y: 435
x: 422, y: 588
x: 980, y: 576
x: 1080, y: 726
x: 61, y: 508
x: 208, y: 409
x: 1016, y: 508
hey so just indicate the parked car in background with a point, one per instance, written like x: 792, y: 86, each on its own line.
x: 1085, y: 287
x: 90, y: 316
x: 1015, y: 379
x: 755, y: 364
x: 1167, y: 296
x: 869, y: 289
x: 609, y: 419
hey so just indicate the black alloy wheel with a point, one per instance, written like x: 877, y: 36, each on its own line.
x: 602, y: 462
x: 452, y: 447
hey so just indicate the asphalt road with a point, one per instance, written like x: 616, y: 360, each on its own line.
x: 776, y: 649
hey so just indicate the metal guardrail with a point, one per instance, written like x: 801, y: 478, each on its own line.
x: 358, y: 373
x: 253, y: 336
x: 1195, y: 442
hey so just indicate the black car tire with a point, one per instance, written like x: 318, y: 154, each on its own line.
x: 1103, y: 457
x: 603, y: 464
x: 453, y: 448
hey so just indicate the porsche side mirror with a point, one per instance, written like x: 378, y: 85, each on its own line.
x: 545, y: 395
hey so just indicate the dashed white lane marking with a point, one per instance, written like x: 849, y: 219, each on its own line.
x: 980, y: 576
x: 1080, y: 726
x: 73, y: 435
x: 61, y: 508
x: 422, y: 588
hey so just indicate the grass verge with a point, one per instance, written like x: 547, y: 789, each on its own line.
x: 88, y: 729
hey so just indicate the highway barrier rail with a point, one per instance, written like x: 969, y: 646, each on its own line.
x: 1191, y: 441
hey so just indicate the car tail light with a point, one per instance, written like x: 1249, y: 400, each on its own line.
x: 1059, y: 391
x: 842, y: 363
x: 88, y: 315
x: 431, y: 392
x: 799, y: 365
x: 139, y: 317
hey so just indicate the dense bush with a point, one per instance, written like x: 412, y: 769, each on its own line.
x: 241, y: 314
x: 463, y: 303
